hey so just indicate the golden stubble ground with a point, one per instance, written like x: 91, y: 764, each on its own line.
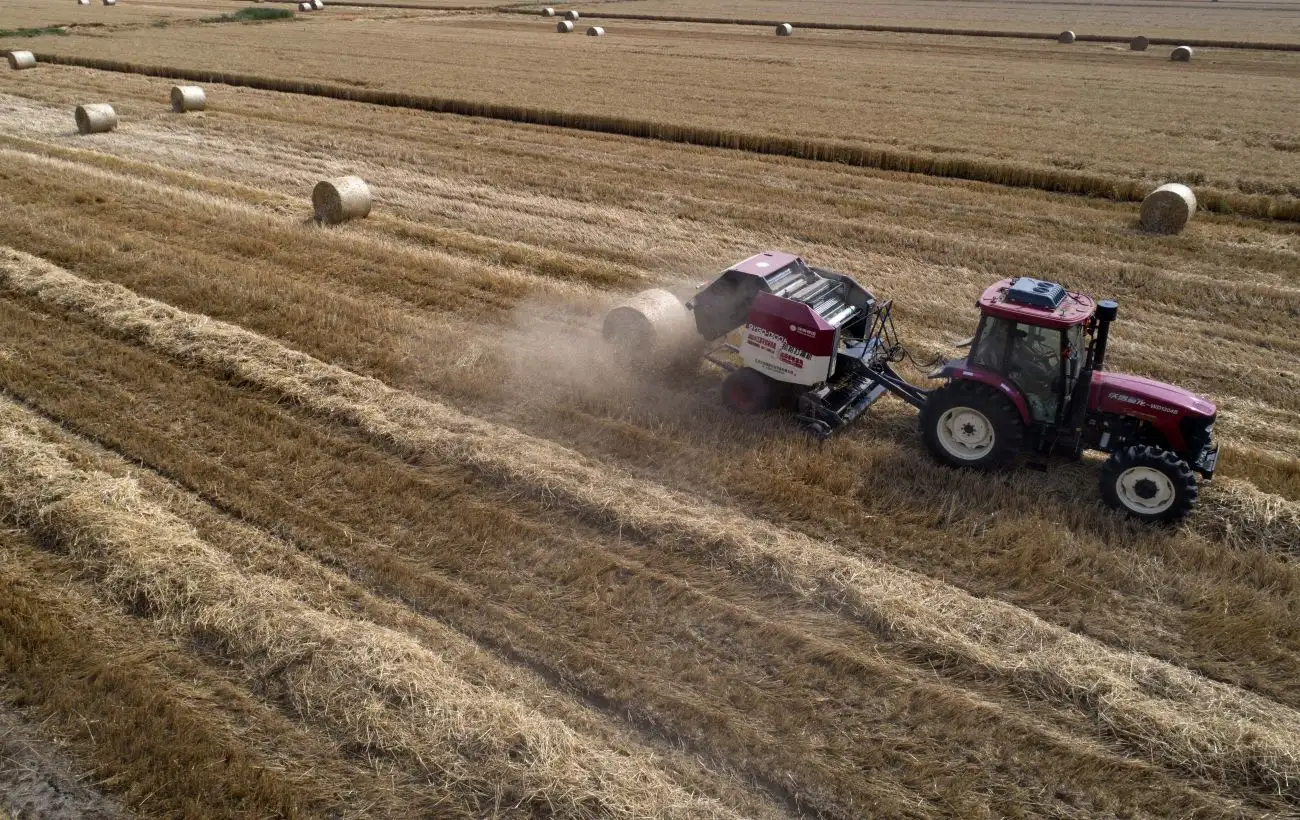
x: 1227, y: 120
x: 697, y: 600
x: 1269, y: 20
x: 100, y: 19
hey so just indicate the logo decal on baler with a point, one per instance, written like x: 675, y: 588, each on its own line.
x: 805, y: 331
x: 765, y: 339
x: 792, y: 357
x: 776, y: 345
x: 773, y: 353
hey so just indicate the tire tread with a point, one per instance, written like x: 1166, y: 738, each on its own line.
x: 1138, y: 455
x: 1009, y: 428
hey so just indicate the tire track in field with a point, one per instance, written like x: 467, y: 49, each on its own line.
x: 1190, y: 722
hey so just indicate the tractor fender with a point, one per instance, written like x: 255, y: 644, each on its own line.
x: 958, y: 370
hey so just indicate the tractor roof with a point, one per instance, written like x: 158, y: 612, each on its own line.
x: 1036, y: 303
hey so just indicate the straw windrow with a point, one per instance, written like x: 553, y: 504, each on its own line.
x: 1181, y: 718
x: 376, y: 686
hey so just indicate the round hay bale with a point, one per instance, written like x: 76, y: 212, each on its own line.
x: 1182, y: 54
x: 188, y: 98
x: 339, y: 200
x: 564, y: 26
x: 548, y: 12
x: 83, y: 2
x: 1065, y: 37
x: 96, y: 118
x: 1138, y: 43
x: 305, y: 6
x: 653, y: 329
x: 318, y: 4
x: 571, y: 15
x: 1167, y: 208
x: 19, y: 60
x: 110, y: 2
x: 595, y: 31
x: 784, y: 30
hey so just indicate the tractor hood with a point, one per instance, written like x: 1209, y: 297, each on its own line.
x: 1139, y: 396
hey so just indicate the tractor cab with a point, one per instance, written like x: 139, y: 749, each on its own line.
x: 1035, y: 378
x: 1032, y: 336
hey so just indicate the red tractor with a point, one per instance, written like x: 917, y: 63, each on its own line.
x: 1033, y: 379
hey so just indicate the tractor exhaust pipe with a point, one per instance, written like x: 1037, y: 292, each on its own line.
x: 1107, y: 310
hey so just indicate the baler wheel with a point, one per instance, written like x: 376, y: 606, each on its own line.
x: 1149, y: 483
x: 747, y: 391
x: 968, y: 424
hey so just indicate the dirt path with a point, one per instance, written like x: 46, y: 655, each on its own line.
x: 39, y: 782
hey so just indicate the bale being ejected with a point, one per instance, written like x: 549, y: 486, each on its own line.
x: 789, y: 334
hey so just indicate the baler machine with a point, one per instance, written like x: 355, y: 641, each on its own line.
x: 811, y: 339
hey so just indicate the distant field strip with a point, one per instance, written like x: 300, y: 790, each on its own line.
x: 596, y: 13
x: 1180, y: 718
x: 954, y: 32
x: 975, y: 170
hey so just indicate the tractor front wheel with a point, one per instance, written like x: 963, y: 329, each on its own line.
x: 966, y: 424
x: 747, y: 391
x: 1149, y: 483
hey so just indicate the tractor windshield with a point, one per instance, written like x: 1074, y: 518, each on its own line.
x: 992, y: 344
x: 1030, y: 357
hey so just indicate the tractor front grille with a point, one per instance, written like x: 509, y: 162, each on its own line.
x: 1197, y: 432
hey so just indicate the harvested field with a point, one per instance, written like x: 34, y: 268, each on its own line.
x: 1264, y: 20
x: 1227, y: 124
x: 1255, y: 20
x: 358, y: 520
x: 19, y: 14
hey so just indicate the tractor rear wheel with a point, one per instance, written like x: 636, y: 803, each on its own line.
x: 1149, y: 483
x: 967, y: 424
x: 747, y: 391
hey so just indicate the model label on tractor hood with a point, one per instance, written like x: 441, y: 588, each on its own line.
x: 1122, y: 389
x: 1134, y: 400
